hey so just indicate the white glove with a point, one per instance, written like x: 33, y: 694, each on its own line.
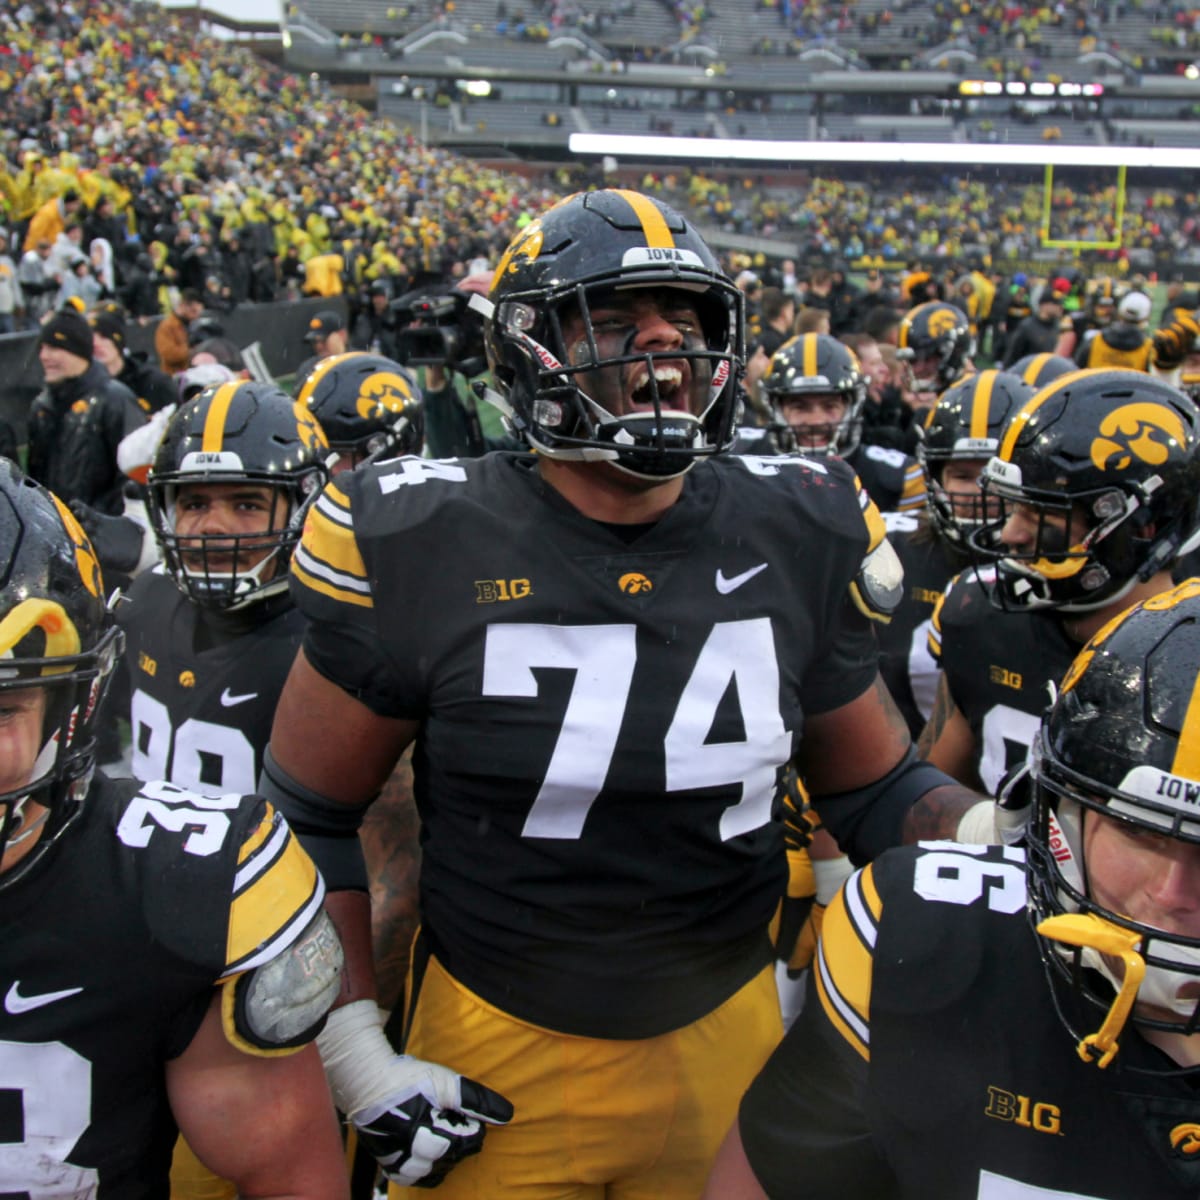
x: 418, y: 1119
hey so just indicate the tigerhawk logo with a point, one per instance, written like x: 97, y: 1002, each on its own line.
x: 634, y: 584
x: 941, y: 321
x: 85, y: 556
x: 1137, y: 433
x: 384, y: 391
x: 311, y: 435
x: 527, y: 244
x: 1185, y: 1140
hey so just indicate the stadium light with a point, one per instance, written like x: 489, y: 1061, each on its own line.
x: 960, y: 154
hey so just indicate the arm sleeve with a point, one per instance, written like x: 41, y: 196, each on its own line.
x: 331, y: 586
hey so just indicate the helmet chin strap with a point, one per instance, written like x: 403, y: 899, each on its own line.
x: 1112, y: 950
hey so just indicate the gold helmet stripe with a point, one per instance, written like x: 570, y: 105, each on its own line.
x: 654, y: 226
x: 214, y: 424
x: 1017, y: 425
x: 1036, y: 363
x: 810, y: 355
x: 1187, y: 750
x: 984, y: 385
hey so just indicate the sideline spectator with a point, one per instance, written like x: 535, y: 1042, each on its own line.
x: 79, y: 419
x: 171, y: 337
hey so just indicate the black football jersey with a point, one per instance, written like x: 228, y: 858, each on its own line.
x: 111, y: 948
x: 604, y: 711
x: 201, y: 703
x: 929, y: 1059
x: 997, y: 665
x: 893, y: 479
x: 905, y: 660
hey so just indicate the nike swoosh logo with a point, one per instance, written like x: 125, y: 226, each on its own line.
x: 228, y: 699
x: 15, y: 1003
x: 725, y: 586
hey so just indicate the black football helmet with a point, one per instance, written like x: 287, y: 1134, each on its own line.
x: 240, y: 432
x: 815, y: 364
x: 1120, y: 740
x: 1116, y: 449
x: 367, y: 405
x: 569, y: 400
x: 56, y: 633
x: 965, y: 424
x: 935, y: 340
x: 1041, y: 369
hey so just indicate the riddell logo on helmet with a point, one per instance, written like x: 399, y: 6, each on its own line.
x: 1057, y: 842
x: 1137, y: 433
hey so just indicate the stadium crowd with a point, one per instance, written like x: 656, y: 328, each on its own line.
x: 666, y: 677
x: 132, y: 168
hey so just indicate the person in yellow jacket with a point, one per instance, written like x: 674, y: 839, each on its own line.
x: 51, y: 219
x: 1124, y: 343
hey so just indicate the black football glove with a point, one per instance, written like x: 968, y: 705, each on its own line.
x: 1174, y: 342
x: 416, y: 1118
x: 416, y: 1143
x: 118, y: 541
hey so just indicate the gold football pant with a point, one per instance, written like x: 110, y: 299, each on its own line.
x: 192, y: 1180
x: 596, y: 1119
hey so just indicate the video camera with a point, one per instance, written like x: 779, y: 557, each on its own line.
x: 438, y: 329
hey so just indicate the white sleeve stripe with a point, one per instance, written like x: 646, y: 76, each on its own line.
x: 283, y: 939
x: 308, y: 561
x: 858, y: 912
x: 843, y: 1007
x: 334, y: 512
x: 262, y: 858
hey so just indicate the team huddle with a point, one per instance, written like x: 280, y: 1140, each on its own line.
x: 661, y: 678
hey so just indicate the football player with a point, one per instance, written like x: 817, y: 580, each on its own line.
x: 211, y: 631
x: 954, y: 1047
x: 960, y: 434
x: 1097, y: 479
x: 935, y: 341
x: 368, y: 407
x: 606, y: 652
x: 166, y: 955
x: 1040, y: 369
x: 817, y: 391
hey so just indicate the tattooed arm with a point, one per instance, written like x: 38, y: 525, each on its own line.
x: 389, y: 840
x: 947, y: 740
x: 867, y: 783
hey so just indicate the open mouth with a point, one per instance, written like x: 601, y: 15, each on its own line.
x: 668, y: 380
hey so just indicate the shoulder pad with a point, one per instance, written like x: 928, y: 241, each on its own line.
x: 878, y: 587
x: 281, y: 1004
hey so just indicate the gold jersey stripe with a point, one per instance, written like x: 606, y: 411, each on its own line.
x: 259, y: 912
x: 333, y: 545
x: 255, y: 840
x: 876, y: 528
x: 214, y: 424
x: 848, y: 935
x: 341, y: 595
x: 654, y: 226
x: 982, y: 404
